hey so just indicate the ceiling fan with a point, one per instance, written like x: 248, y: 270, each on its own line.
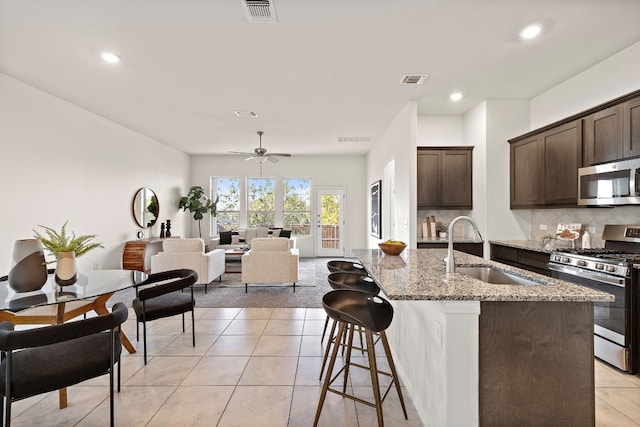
x: 260, y: 154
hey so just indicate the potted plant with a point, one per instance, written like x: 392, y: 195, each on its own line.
x: 66, y: 248
x: 198, y: 204
x: 443, y: 229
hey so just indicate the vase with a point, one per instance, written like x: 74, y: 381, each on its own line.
x: 28, y: 269
x: 67, y: 269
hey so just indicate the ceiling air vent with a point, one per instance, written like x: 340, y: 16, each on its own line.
x: 413, y: 79
x: 244, y: 114
x: 354, y: 139
x: 260, y: 11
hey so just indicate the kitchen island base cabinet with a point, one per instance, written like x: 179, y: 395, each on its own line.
x: 503, y: 363
x: 536, y: 364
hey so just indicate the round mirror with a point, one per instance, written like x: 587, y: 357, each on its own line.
x: 145, y: 207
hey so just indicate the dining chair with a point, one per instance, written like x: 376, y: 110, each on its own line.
x: 161, y: 296
x: 40, y: 360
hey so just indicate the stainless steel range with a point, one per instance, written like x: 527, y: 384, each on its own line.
x: 610, y: 269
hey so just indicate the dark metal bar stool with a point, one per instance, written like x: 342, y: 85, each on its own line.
x: 348, y: 281
x: 346, y: 266
x: 374, y: 314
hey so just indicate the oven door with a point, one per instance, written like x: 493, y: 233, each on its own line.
x: 612, y: 320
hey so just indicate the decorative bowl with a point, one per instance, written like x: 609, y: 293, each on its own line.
x: 392, y: 249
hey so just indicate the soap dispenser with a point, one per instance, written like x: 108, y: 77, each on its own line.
x: 586, y: 240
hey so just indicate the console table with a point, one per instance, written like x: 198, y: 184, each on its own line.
x: 137, y: 253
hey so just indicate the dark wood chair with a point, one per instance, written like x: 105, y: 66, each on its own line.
x: 161, y: 296
x: 41, y: 360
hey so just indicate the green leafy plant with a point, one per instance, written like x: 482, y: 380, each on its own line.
x: 56, y: 242
x: 198, y: 204
x: 442, y: 227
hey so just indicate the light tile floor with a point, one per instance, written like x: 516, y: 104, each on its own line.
x: 253, y: 367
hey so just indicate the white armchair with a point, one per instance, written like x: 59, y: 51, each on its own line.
x: 189, y: 253
x: 270, y: 260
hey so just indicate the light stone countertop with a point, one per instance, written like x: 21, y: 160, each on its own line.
x: 419, y: 274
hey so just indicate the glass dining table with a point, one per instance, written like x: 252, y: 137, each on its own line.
x: 54, y: 304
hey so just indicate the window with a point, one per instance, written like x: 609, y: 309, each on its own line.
x: 261, y: 202
x: 297, y: 205
x: 228, y: 192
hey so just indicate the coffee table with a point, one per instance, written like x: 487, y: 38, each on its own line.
x: 233, y: 259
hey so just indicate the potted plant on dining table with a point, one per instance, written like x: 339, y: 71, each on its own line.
x: 66, y: 248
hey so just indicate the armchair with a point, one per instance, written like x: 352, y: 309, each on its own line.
x: 40, y: 360
x: 270, y: 260
x: 189, y: 254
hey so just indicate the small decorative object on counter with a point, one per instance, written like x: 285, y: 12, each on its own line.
x: 586, y: 240
x: 443, y: 229
x: 168, y: 232
x: 28, y: 269
x: 548, y: 242
x: 140, y: 234
x: 162, y: 230
x: 392, y: 247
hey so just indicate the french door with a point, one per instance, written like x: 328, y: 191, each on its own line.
x: 330, y: 222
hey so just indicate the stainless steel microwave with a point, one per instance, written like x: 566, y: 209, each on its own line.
x: 616, y: 183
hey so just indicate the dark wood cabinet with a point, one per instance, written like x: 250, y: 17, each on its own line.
x: 445, y: 178
x: 526, y: 172
x: 631, y: 130
x: 544, y: 167
x: 429, y: 178
x: 530, y: 260
x: 562, y: 158
x: 544, y: 162
x: 603, y: 136
x: 472, y: 248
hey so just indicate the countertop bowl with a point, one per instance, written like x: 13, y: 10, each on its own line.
x: 390, y: 249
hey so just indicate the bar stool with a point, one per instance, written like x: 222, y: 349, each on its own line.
x: 374, y: 314
x: 348, y: 281
x: 347, y: 266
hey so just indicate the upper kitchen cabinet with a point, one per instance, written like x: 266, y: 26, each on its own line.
x: 526, y: 172
x: 631, y: 130
x: 445, y: 177
x: 603, y: 136
x: 544, y: 167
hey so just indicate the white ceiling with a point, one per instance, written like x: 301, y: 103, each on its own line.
x: 326, y: 69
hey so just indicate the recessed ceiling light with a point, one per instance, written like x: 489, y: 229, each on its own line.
x: 110, y: 57
x: 455, y: 96
x: 530, y: 32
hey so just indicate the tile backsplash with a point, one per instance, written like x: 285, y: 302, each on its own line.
x: 588, y: 217
x: 444, y: 216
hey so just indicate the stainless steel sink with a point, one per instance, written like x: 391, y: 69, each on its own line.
x: 495, y: 276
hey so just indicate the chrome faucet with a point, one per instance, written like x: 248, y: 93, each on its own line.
x: 449, y: 261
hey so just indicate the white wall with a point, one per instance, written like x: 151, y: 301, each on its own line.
x: 504, y: 120
x: 61, y: 162
x: 440, y: 131
x: 615, y: 76
x: 324, y: 171
x: 397, y: 143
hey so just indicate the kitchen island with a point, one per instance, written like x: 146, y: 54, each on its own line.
x: 472, y: 353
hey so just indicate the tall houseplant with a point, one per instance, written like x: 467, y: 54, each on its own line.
x: 198, y: 204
